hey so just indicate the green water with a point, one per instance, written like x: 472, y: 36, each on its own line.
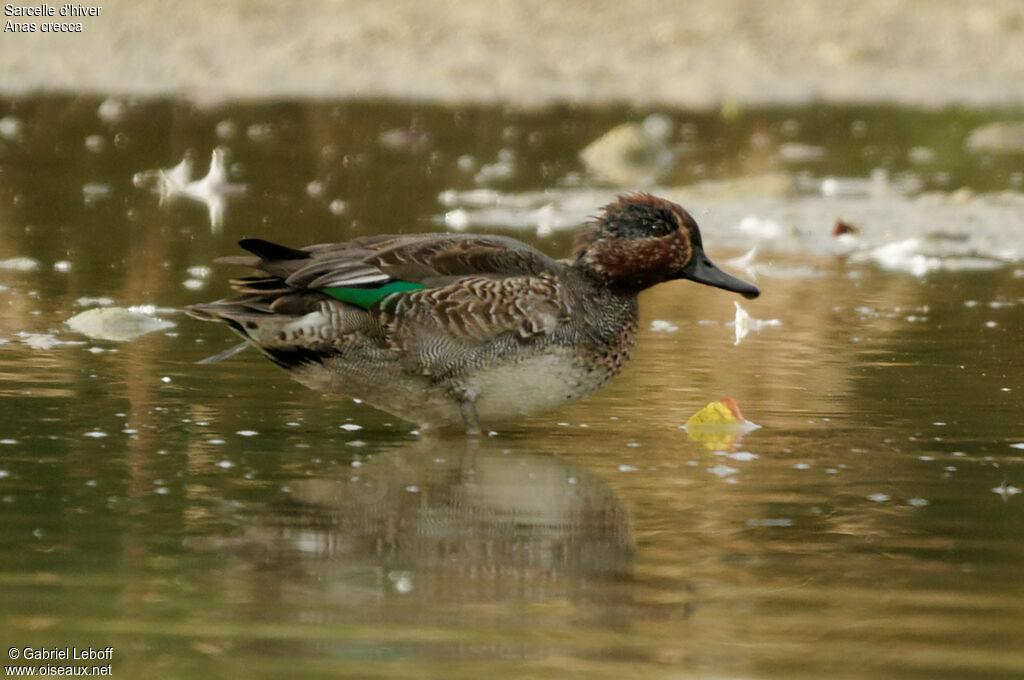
x: 220, y: 521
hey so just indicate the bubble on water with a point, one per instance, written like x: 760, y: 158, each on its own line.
x: 350, y: 427
x: 247, y: 433
x: 626, y: 468
x: 315, y: 189
x: 95, y: 143
x: 878, y: 497
x: 11, y: 128
x: 96, y: 434
x: 918, y: 502
x: 225, y: 464
x: 111, y: 110
x: 723, y: 470
x: 226, y: 129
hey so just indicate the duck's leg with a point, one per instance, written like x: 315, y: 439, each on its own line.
x: 469, y: 417
x: 467, y: 406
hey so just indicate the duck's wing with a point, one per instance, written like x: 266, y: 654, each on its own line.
x: 423, y: 260
x: 459, y: 287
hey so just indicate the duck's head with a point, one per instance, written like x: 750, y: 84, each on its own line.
x: 642, y: 240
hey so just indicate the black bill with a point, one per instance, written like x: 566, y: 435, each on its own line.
x: 702, y: 270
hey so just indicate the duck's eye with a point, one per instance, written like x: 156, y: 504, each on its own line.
x: 660, y: 224
x: 659, y: 228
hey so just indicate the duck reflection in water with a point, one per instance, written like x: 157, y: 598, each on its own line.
x: 441, y: 527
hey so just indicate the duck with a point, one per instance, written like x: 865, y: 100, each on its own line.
x: 460, y: 329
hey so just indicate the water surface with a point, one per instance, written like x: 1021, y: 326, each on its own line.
x: 215, y: 521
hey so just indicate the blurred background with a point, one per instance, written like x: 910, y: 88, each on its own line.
x: 863, y: 162
x: 529, y: 52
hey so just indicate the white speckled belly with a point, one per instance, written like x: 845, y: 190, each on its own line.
x: 531, y: 385
x: 510, y: 390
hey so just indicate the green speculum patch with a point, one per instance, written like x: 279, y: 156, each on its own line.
x: 367, y: 297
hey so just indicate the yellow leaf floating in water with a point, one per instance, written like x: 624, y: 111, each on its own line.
x: 719, y: 425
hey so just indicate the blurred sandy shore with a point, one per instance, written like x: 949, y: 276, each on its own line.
x: 529, y: 52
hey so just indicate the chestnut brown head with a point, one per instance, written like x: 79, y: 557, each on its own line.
x: 642, y: 240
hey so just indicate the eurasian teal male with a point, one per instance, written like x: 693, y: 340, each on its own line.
x: 440, y: 329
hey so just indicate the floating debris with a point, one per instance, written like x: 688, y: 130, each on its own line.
x: 795, y: 152
x: 760, y: 228
x: 719, y: 425
x: 116, y: 323
x: 745, y: 262
x: 743, y: 456
x: 212, y: 190
x: 99, y: 301
x: 744, y: 323
x: 94, y: 192
x: 632, y: 154
x: 111, y: 110
x: 844, y: 228
x: 722, y: 413
x: 410, y: 139
x: 905, y: 256
x: 20, y: 264
x: 500, y: 170
x: 1005, y: 490
x: 214, y: 187
x: 723, y: 470
x: 42, y: 341
x: 662, y: 326
x: 998, y: 137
